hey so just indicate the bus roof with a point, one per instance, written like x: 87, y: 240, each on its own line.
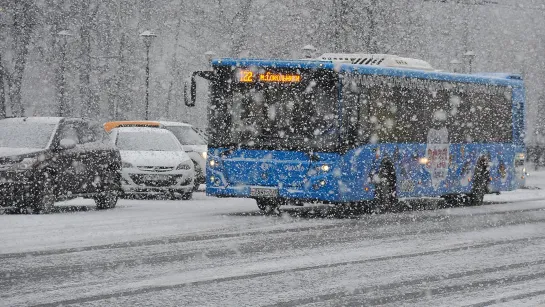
x: 484, y: 78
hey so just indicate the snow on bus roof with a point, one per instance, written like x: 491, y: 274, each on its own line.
x: 498, y: 75
x: 385, y: 60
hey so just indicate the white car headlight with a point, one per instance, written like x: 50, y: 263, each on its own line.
x: 126, y: 165
x: 26, y: 163
x: 204, y: 154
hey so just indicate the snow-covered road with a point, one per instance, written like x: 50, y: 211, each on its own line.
x: 222, y: 252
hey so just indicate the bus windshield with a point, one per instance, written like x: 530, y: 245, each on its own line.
x: 298, y: 115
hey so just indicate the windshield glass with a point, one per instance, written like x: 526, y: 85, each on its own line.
x: 146, y: 141
x: 297, y: 114
x: 25, y: 135
x: 186, y: 135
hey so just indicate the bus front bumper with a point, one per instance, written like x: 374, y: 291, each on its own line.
x: 316, y: 192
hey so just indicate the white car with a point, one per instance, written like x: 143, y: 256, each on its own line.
x: 193, y: 143
x: 153, y: 163
x: 191, y: 139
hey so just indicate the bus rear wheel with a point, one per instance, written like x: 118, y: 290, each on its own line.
x: 385, y: 190
x: 480, y: 182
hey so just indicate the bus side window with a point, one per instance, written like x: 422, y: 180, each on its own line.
x: 362, y: 124
x: 483, y: 117
x: 413, y: 117
x: 464, y: 131
x: 382, y: 114
x: 355, y: 114
x: 502, y: 118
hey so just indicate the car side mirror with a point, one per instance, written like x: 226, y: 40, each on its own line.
x: 67, y: 144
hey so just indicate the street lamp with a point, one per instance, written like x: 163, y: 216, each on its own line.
x: 209, y: 55
x: 455, y: 64
x: 470, y: 55
x: 309, y: 51
x: 63, y: 37
x: 147, y: 36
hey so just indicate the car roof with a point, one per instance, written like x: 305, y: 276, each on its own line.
x: 44, y: 120
x: 142, y: 129
x: 165, y: 123
x: 130, y: 123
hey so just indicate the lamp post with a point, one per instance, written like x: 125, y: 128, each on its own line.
x: 470, y: 55
x: 209, y: 55
x: 63, y: 37
x: 2, y: 92
x: 455, y: 64
x: 147, y: 36
x: 309, y: 51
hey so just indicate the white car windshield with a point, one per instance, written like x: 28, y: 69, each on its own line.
x: 25, y: 135
x: 146, y: 141
x: 186, y: 135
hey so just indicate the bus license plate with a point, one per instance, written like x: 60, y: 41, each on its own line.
x: 263, y: 192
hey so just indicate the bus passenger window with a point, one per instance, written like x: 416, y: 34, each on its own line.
x: 355, y: 113
x: 382, y: 114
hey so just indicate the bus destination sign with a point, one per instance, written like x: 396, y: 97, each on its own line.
x: 249, y: 76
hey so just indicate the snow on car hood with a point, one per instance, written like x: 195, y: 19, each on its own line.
x: 9, y: 152
x: 154, y: 158
x: 196, y: 148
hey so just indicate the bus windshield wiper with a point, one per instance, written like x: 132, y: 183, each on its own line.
x: 229, y: 150
x: 312, y: 156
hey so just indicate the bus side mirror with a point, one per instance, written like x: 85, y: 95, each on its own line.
x: 208, y: 75
x: 190, y: 101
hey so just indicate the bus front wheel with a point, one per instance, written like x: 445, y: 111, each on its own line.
x: 268, y: 205
x: 385, y: 190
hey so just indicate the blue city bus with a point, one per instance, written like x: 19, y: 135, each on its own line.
x: 360, y: 130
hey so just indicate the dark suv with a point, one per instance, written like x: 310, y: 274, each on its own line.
x: 45, y: 159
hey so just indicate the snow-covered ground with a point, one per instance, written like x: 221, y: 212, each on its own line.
x: 222, y: 252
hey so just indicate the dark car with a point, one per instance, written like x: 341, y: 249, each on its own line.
x: 45, y: 159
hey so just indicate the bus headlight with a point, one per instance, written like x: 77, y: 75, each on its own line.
x: 212, y: 163
x: 215, y: 181
x: 325, y: 168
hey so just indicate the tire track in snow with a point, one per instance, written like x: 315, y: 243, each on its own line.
x: 27, y: 274
x: 411, y: 295
x: 430, y: 292
x: 371, y: 221
x: 508, y: 299
x: 59, y: 271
